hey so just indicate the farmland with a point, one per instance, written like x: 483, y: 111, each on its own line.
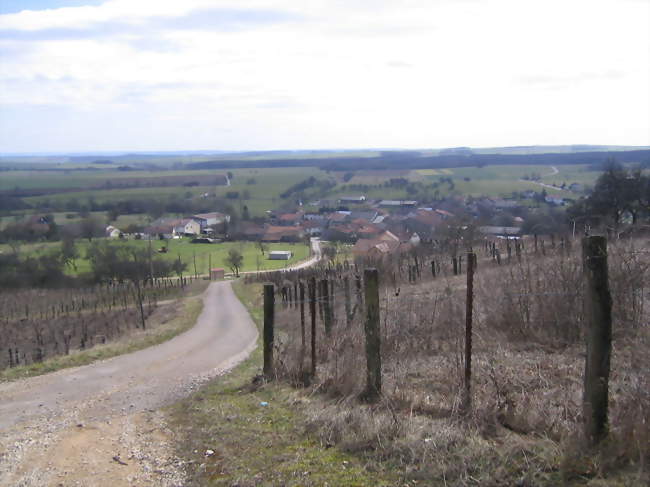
x: 189, y: 254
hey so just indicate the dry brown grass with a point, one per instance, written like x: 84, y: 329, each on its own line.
x: 528, y: 362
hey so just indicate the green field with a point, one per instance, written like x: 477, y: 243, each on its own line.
x: 259, y: 188
x: 189, y: 253
x: 503, y: 180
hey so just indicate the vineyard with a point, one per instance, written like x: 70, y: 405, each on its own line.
x: 402, y: 391
x: 41, y: 323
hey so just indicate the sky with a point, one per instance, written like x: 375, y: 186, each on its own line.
x: 156, y: 75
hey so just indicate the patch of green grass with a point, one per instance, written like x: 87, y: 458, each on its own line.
x: 202, y: 254
x: 136, y: 341
x: 256, y: 444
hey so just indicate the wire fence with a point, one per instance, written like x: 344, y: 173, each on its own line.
x: 524, y: 312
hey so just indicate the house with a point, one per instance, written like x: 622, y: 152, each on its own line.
x: 289, y: 219
x: 379, y: 247
x: 444, y: 214
x: 282, y: 234
x: 398, y: 203
x: 368, y: 216
x: 187, y: 226
x: 338, y: 217
x: 352, y: 200
x: 206, y: 220
x: 112, y: 232
x: 313, y: 227
x: 280, y: 255
x: 500, y: 231
x: 251, y: 231
x: 173, y: 227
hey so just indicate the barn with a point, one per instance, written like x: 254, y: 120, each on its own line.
x: 217, y: 273
x: 280, y: 255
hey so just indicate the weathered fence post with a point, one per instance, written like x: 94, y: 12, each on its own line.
x: 469, y: 309
x: 454, y: 263
x: 433, y: 269
x: 327, y: 312
x: 312, y: 313
x: 598, y: 314
x: 269, y: 316
x: 373, y: 336
x: 303, y: 345
x: 348, y: 301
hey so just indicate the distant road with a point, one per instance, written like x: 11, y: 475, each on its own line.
x: 554, y: 171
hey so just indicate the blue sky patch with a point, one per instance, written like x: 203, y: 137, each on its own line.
x: 14, y: 6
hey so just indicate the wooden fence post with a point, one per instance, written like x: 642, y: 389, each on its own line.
x: 469, y: 309
x: 269, y: 315
x: 327, y: 312
x: 312, y: 313
x: 348, y: 301
x: 303, y: 345
x: 598, y: 314
x: 373, y: 336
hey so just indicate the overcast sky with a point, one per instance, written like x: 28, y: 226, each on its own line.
x: 143, y: 75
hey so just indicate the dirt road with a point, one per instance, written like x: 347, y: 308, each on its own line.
x: 98, y: 425
x: 554, y: 171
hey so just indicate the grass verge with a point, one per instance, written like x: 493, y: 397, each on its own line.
x: 256, y: 432
x: 138, y: 340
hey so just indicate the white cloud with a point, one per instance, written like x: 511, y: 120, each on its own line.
x: 281, y: 74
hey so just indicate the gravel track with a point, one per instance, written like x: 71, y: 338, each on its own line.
x: 80, y: 426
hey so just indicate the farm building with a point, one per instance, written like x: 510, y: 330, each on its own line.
x: 352, y: 199
x: 112, y: 232
x: 280, y: 255
x: 217, y: 273
x: 510, y: 232
x: 208, y: 219
x: 398, y: 203
x: 172, y: 227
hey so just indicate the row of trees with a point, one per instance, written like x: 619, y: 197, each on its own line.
x: 109, y: 261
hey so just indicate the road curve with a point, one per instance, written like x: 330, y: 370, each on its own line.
x: 223, y: 335
x: 78, y: 425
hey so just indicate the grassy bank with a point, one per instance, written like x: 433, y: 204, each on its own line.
x: 160, y: 329
x: 256, y: 432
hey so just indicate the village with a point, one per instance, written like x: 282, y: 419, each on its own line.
x: 368, y: 228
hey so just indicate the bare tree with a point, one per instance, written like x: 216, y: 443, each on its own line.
x: 235, y: 261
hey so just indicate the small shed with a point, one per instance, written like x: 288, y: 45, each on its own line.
x: 280, y: 255
x: 217, y: 273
